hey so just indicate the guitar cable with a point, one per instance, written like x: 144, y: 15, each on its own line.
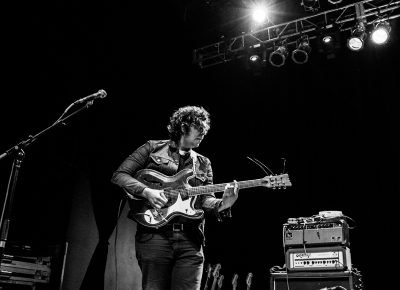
x: 261, y: 165
x: 285, y: 266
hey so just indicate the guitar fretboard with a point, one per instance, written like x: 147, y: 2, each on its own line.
x: 205, y: 189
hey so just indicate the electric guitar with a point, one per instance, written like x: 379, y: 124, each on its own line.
x: 208, y: 276
x: 215, y: 275
x: 248, y: 280
x: 181, y: 196
x: 234, y: 281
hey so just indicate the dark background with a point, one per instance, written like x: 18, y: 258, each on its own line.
x: 335, y: 121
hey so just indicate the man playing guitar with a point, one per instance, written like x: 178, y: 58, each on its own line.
x: 169, y: 236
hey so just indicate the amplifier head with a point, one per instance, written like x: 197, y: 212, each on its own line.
x: 316, y: 234
x: 318, y: 259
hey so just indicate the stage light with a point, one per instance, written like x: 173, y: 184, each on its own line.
x: 259, y: 13
x: 327, y: 39
x: 335, y: 1
x: 310, y: 5
x: 380, y: 33
x: 254, y: 58
x: 255, y: 53
x: 328, y: 43
x: 300, y: 54
x: 356, y: 41
x: 278, y: 56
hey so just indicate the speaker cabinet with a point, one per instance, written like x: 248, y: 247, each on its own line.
x: 311, y: 280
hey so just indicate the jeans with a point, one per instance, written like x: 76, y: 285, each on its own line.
x: 169, y: 261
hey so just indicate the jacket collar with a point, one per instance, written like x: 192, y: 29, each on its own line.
x: 172, y: 145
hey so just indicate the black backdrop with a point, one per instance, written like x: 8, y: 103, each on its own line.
x: 334, y: 121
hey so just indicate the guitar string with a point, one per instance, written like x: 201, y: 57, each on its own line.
x: 213, y: 188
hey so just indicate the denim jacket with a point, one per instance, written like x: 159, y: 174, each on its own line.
x: 163, y: 156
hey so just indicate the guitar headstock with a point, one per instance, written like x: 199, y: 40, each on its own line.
x: 277, y: 181
x: 220, y: 280
x: 234, y: 281
x: 216, y: 270
x: 248, y: 280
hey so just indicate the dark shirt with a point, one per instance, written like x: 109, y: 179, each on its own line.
x: 182, y: 159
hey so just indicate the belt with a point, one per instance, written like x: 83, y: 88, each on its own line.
x: 177, y: 227
x: 174, y: 227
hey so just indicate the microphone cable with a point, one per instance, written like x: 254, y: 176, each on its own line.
x: 122, y: 201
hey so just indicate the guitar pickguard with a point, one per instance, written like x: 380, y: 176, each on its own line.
x: 155, y: 217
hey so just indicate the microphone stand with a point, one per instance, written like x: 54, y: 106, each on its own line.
x: 19, y: 154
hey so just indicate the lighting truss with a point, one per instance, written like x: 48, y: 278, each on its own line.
x: 341, y: 19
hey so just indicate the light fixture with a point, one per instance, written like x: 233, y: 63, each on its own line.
x: 255, y: 53
x: 254, y: 58
x: 310, y: 5
x: 356, y: 40
x: 300, y: 54
x: 381, y: 32
x: 328, y: 43
x: 335, y: 1
x: 278, y: 56
x: 259, y: 13
x: 327, y: 39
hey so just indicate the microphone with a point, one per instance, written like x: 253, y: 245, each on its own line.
x: 100, y: 94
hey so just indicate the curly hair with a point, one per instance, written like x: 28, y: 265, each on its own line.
x: 184, y: 118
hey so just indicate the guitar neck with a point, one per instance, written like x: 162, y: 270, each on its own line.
x: 234, y: 281
x: 212, y: 188
x: 214, y: 284
x: 206, y: 283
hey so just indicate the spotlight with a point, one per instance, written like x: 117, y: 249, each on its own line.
x: 254, y: 58
x: 256, y: 53
x: 381, y: 32
x: 278, y: 56
x: 327, y: 39
x: 259, y: 14
x: 328, y: 43
x: 300, y: 54
x: 356, y: 41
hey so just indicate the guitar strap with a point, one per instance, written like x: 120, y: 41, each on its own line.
x: 193, y: 155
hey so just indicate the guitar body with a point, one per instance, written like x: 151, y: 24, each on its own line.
x: 179, y: 204
x: 182, y: 197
